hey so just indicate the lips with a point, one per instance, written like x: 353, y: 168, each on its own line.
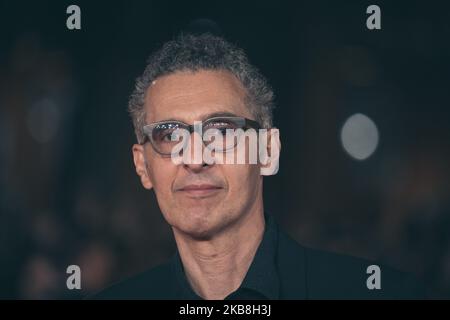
x: 199, y: 190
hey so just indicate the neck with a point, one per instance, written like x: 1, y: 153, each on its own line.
x: 216, y: 267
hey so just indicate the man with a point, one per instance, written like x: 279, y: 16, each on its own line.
x: 228, y: 247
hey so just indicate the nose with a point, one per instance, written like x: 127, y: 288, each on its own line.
x: 196, y: 168
x: 196, y: 148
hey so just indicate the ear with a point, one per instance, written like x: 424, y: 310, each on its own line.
x: 141, y: 165
x: 270, y: 148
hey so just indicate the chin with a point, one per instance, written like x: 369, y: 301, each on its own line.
x: 200, y: 235
x: 199, y: 225
x: 195, y: 231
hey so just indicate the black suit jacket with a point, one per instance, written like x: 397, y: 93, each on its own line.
x: 281, y: 269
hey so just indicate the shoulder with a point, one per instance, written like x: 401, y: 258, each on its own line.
x: 156, y: 283
x: 326, y: 275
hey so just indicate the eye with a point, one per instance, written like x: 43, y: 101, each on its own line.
x: 167, y: 137
x: 221, y: 125
x: 166, y: 133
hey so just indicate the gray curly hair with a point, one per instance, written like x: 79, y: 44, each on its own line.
x: 202, y: 52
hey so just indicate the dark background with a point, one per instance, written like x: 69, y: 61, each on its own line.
x: 69, y: 193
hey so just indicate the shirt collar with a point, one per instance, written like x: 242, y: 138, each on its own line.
x: 262, y: 275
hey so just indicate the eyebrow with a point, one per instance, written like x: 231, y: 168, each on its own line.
x: 207, y: 116
x: 219, y: 114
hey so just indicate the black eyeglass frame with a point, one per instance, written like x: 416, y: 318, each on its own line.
x: 242, y: 123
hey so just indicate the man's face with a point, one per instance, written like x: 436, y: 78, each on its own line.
x: 199, y: 200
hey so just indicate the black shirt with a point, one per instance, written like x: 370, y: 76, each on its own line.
x: 261, y: 280
x: 281, y: 269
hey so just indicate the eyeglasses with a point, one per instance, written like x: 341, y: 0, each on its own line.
x: 164, y: 135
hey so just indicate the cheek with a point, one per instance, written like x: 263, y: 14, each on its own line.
x: 162, y: 174
x: 242, y: 179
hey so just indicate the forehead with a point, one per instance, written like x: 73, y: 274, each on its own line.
x: 191, y: 96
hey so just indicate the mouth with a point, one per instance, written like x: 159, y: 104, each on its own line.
x: 200, y: 190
